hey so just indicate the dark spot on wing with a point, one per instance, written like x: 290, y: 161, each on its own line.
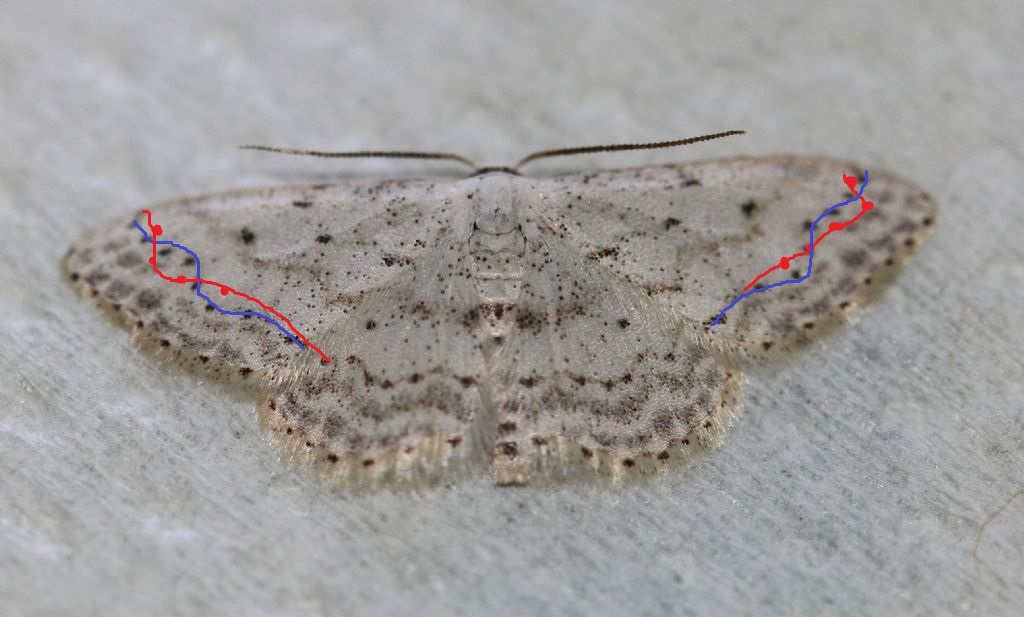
x: 610, y: 251
x: 855, y: 258
x: 671, y: 222
x: 748, y: 208
x: 247, y: 236
x: 323, y: 238
x: 148, y: 299
x: 302, y: 203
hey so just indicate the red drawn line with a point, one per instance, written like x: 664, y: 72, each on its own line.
x: 783, y: 264
x: 156, y: 230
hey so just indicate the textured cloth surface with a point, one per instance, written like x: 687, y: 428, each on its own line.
x: 856, y: 483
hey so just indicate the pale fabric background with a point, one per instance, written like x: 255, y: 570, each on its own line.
x: 855, y: 484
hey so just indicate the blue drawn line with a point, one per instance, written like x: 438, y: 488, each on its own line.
x: 206, y: 297
x: 810, y: 254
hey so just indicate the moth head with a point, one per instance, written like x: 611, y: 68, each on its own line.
x: 495, y: 197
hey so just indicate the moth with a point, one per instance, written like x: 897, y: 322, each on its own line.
x: 545, y: 328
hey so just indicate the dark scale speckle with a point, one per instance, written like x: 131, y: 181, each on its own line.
x: 748, y: 208
x: 623, y: 323
x: 301, y: 203
x: 323, y: 238
x: 247, y: 236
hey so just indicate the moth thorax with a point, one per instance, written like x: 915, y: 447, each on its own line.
x: 497, y: 265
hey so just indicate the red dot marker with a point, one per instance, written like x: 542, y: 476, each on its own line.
x: 157, y: 230
x: 180, y: 279
x: 850, y: 182
x: 784, y: 263
x: 836, y: 226
x: 223, y: 291
x: 867, y: 205
x: 152, y: 260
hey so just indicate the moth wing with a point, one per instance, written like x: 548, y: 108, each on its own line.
x: 596, y: 375
x: 692, y: 236
x: 401, y: 400
x: 310, y: 253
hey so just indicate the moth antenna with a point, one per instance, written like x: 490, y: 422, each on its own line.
x: 543, y: 154
x: 364, y: 154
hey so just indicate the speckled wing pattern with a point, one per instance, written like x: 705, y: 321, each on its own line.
x: 309, y: 252
x: 613, y: 366
x: 597, y: 376
x: 587, y: 349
